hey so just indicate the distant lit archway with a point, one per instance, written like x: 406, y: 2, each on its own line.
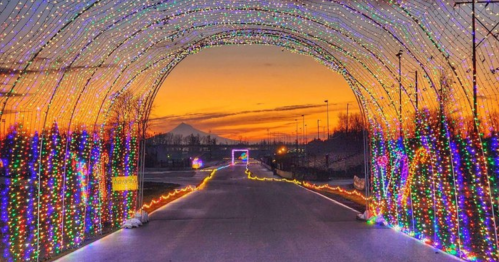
x: 244, y: 156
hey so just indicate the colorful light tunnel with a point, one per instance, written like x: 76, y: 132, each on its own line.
x: 77, y: 80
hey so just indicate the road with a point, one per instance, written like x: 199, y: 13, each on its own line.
x: 236, y: 219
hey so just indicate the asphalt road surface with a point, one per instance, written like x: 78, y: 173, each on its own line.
x: 236, y: 219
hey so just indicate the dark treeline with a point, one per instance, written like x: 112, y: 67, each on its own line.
x: 178, y: 139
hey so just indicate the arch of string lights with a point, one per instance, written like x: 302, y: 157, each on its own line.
x: 65, y: 67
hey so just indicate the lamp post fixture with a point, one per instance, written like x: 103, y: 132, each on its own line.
x: 303, y: 134
x: 318, y: 126
x: 327, y: 112
x: 306, y: 135
x: 300, y: 142
x: 305, y: 143
x: 296, y: 121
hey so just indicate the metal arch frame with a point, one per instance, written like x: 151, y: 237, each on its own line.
x: 240, y: 150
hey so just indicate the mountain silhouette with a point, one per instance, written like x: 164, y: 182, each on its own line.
x: 187, y: 130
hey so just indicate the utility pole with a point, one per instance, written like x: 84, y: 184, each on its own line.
x: 474, y: 47
x: 306, y: 135
x: 327, y: 112
x: 305, y: 145
x: 318, y: 132
x: 296, y: 121
x: 399, y: 55
x: 303, y: 134
x: 475, y: 88
x: 416, y: 91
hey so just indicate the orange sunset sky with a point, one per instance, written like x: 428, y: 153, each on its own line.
x: 239, y: 92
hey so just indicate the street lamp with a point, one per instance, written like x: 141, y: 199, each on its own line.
x: 303, y: 134
x: 318, y: 126
x: 327, y: 112
x: 306, y: 135
x: 305, y: 145
x: 296, y: 121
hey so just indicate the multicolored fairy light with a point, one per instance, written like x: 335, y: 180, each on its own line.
x: 75, y: 85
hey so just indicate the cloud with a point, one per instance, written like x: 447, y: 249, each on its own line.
x: 277, y: 114
x: 193, y: 117
x: 251, y: 129
x: 251, y: 124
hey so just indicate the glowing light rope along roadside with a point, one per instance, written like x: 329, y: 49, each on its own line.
x: 308, y: 185
x: 189, y: 189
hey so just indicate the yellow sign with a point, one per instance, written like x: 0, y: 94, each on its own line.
x: 125, y: 183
